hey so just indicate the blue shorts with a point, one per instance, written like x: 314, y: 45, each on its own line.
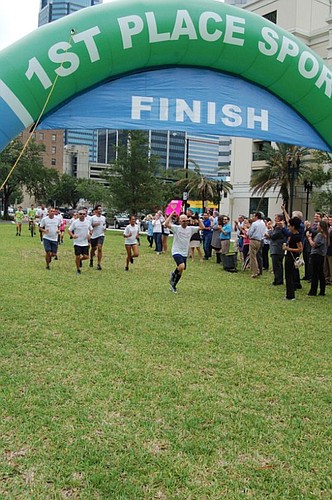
x: 50, y: 246
x: 179, y: 259
x: 94, y: 242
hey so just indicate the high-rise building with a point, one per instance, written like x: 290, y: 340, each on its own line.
x: 51, y: 10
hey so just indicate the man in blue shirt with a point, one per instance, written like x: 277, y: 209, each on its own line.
x: 207, y: 235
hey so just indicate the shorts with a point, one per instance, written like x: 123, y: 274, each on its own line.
x: 50, y: 246
x: 194, y: 244
x: 78, y: 250
x: 94, y: 242
x: 179, y: 259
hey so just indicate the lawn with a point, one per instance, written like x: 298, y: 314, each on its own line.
x: 112, y: 387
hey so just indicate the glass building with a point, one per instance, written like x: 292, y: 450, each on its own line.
x: 51, y: 10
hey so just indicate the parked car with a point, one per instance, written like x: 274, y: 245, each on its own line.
x: 121, y: 221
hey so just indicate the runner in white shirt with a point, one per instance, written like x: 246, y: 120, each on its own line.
x: 180, y: 249
x: 40, y: 214
x: 80, y: 231
x: 131, y: 236
x: 98, y: 223
x: 50, y: 229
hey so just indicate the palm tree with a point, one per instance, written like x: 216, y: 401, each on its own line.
x: 278, y: 173
x: 206, y: 188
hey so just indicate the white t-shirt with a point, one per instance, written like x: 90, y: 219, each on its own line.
x: 133, y: 230
x: 181, y: 238
x: 81, y: 229
x: 41, y: 213
x: 100, y: 229
x: 51, y: 225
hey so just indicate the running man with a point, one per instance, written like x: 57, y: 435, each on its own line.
x: 80, y: 231
x: 40, y: 214
x: 180, y: 248
x: 19, y: 216
x: 131, y: 235
x: 32, y: 211
x: 98, y: 223
x: 50, y: 228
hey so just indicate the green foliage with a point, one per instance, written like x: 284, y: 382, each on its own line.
x: 132, y: 178
x: 112, y: 387
x: 323, y: 201
x: 276, y: 175
x: 29, y: 173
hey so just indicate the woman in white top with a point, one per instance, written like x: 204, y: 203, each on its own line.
x: 131, y: 236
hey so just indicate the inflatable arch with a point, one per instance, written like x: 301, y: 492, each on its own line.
x: 97, y: 47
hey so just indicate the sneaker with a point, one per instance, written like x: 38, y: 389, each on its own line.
x: 55, y: 257
x: 286, y: 298
x: 173, y: 289
x: 131, y: 260
x: 81, y: 263
x: 99, y: 267
x: 91, y: 263
x: 126, y: 268
x: 171, y: 279
x: 78, y: 271
x: 48, y: 268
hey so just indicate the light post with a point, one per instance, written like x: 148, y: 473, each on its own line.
x: 293, y: 169
x: 219, y: 191
x: 185, y: 193
x: 308, y: 189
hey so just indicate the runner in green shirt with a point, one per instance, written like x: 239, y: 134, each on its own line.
x: 19, y: 216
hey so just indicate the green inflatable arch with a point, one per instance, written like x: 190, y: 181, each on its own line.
x: 67, y: 57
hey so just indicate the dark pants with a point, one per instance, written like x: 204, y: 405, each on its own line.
x: 317, y: 262
x: 158, y: 240
x: 289, y: 276
x: 150, y: 240
x: 207, y: 238
x: 278, y: 271
x: 265, y: 255
x: 306, y: 258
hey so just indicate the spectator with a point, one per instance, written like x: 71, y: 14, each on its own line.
x: 319, y: 246
x: 293, y: 249
x: 225, y: 234
x: 277, y: 239
x: 256, y: 235
x: 207, y: 235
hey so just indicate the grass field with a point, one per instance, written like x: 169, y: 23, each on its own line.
x: 112, y: 387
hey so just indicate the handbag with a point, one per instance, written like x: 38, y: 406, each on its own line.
x: 298, y: 261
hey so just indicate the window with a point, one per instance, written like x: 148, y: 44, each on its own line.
x: 53, y: 149
x: 53, y: 162
x: 53, y: 137
x: 41, y: 136
x: 259, y: 205
x: 271, y: 16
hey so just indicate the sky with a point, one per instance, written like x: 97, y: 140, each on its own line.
x: 13, y: 27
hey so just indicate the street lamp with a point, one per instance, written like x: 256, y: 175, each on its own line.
x: 185, y: 193
x: 219, y: 191
x: 293, y: 169
x: 308, y: 188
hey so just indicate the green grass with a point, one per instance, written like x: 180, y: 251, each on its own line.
x: 112, y: 387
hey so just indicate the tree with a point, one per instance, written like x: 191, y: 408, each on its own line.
x: 65, y: 191
x: 277, y: 175
x: 94, y: 192
x: 132, y: 179
x: 198, y: 185
x: 29, y: 173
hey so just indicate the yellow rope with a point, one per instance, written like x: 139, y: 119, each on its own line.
x: 35, y: 125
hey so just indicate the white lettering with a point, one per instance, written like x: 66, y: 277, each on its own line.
x: 154, y: 36
x: 313, y: 63
x: 58, y: 53
x: 163, y: 111
x: 211, y: 108
x: 270, y: 48
x: 233, y: 114
x: 87, y: 37
x: 137, y: 105
x: 325, y: 78
x: 183, y: 26
x: 130, y: 26
x: 288, y: 48
x: 263, y: 119
x: 35, y: 68
x: 203, y: 26
x: 182, y: 109
x: 233, y: 26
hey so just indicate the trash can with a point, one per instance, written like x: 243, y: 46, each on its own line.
x: 229, y: 261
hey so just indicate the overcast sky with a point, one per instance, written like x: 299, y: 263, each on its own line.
x: 17, y: 19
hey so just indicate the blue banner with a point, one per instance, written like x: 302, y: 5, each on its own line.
x: 186, y: 99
